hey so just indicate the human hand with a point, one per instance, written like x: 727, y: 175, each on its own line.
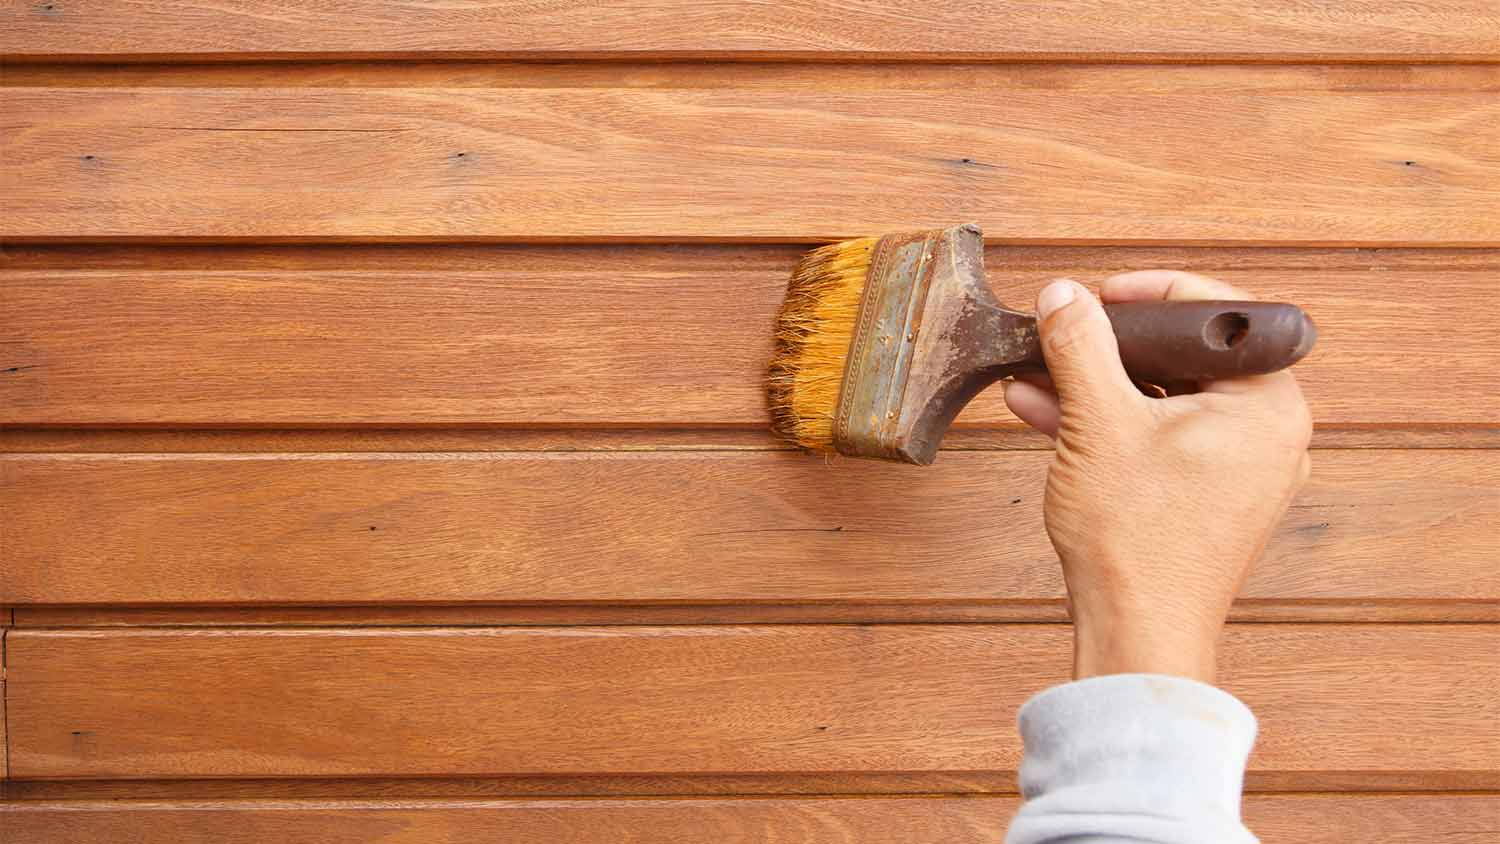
x: 1156, y: 506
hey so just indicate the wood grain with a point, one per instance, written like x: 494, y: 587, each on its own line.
x: 761, y: 784
x: 1310, y: 167
x: 967, y: 437
x: 7, y: 618
x: 619, y: 339
x: 997, y: 29
x: 1305, y: 819
x: 1044, y: 611
x: 755, y: 784
x: 779, y: 76
x: 1003, y: 260
x: 1331, y: 698
x: 1395, y: 526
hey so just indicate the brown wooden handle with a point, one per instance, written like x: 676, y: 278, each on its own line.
x: 1197, y: 341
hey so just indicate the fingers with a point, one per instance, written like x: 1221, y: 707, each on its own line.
x: 1276, y: 390
x: 1083, y: 357
x: 1172, y: 285
x: 1034, y: 405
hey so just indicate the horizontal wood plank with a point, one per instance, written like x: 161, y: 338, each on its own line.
x: 621, y: 337
x: 965, y: 437
x: 996, y: 29
x: 493, y: 701
x: 779, y: 76
x: 759, y: 784
x: 1046, y: 611
x: 1382, y: 526
x: 1276, y: 819
x: 1310, y: 167
x: 1003, y: 260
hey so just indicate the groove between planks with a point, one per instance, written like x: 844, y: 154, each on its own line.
x: 697, y: 786
x: 7, y: 620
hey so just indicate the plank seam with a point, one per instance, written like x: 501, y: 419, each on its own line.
x: 180, y: 790
x: 712, y: 240
x: 10, y: 620
x: 459, y: 802
x: 752, y: 57
x: 559, y: 625
x: 1438, y: 613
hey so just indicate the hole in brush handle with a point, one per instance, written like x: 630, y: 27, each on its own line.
x: 1227, y: 330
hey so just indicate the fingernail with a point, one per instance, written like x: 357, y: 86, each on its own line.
x: 1054, y: 296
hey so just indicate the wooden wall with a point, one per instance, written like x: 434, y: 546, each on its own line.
x: 383, y: 451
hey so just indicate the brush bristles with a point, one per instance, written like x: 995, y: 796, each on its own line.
x: 813, y: 332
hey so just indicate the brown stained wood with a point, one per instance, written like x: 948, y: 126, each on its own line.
x: 794, y: 821
x: 7, y: 618
x: 623, y: 340
x: 1309, y: 167
x: 330, y: 529
x: 781, y: 76
x: 852, y: 783
x: 494, y: 701
x: 1403, y: 527
x: 1304, y: 819
x: 552, y: 785
x: 997, y: 29
x: 1399, y: 702
x: 469, y: 615
x: 497, y: 701
x: 1050, y: 611
x: 1000, y: 437
x: 187, y: 440
x: 1002, y: 261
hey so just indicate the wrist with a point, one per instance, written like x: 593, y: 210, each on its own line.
x: 1164, y: 647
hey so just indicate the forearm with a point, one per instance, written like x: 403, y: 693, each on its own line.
x: 1137, y: 758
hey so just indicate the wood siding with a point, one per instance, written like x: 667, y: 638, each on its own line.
x: 382, y: 437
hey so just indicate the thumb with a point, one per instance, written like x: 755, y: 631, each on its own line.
x: 1079, y: 345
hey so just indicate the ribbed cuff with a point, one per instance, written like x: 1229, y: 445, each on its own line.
x: 1136, y: 751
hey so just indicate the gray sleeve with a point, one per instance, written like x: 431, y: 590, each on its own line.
x: 1133, y: 759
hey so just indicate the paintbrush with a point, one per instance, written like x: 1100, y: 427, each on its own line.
x: 882, y: 341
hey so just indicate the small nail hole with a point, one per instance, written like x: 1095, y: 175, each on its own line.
x: 1226, y: 331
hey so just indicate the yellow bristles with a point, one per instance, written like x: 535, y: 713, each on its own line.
x: 813, y: 332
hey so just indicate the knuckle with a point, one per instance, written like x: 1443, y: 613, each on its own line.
x: 1229, y: 434
x: 1293, y: 425
x: 1200, y: 439
x: 1069, y: 331
x: 1281, y: 421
